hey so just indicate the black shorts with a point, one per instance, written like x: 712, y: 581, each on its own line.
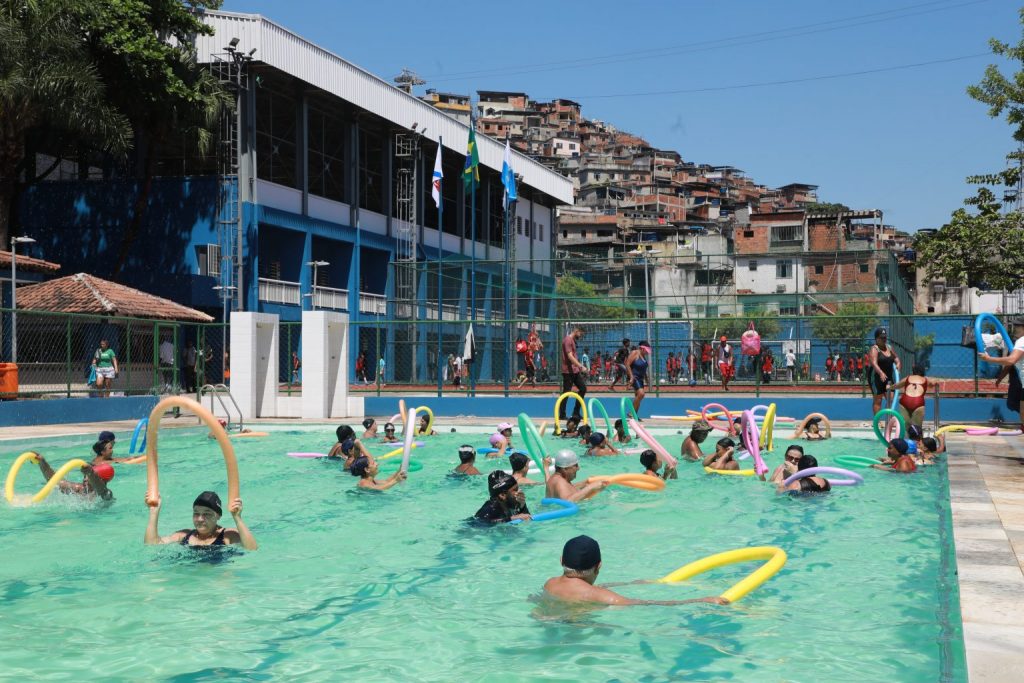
x: 878, y: 387
x: 1013, y: 396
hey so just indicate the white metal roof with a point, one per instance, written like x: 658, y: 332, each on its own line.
x: 294, y: 55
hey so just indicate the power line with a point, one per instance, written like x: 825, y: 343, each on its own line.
x: 787, y: 81
x: 731, y: 41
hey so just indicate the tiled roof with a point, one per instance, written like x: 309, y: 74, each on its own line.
x: 35, y: 265
x: 82, y: 293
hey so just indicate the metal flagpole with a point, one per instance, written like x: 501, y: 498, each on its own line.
x: 472, y: 271
x: 440, y: 260
x: 508, y: 300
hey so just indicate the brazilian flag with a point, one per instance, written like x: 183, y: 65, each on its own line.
x: 471, y: 173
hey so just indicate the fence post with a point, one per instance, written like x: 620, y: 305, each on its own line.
x: 156, y: 356
x: 176, y: 361
x: 67, y: 352
x: 379, y: 375
x: 656, y: 359
x: 128, y: 354
x: 757, y: 374
x: 200, y: 357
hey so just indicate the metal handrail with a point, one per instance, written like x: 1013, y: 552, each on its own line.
x: 217, y: 390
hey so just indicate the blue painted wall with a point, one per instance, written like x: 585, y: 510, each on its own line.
x: 70, y: 410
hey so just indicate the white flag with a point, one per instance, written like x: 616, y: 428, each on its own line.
x: 435, y: 190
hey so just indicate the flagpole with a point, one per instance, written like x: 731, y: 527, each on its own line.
x: 440, y: 261
x: 472, y: 271
x: 508, y: 308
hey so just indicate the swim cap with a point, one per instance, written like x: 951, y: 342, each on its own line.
x: 914, y: 432
x: 518, y: 461
x: 106, y: 436
x: 596, y: 439
x: 466, y: 453
x: 347, y: 445
x: 566, y: 458
x: 359, y: 466
x: 500, y: 481
x: 900, y: 445
x: 496, y: 438
x: 581, y: 553
x: 649, y: 459
x: 344, y: 432
x: 368, y: 422
x: 584, y: 431
x: 930, y: 444
x: 388, y: 427
x: 504, y: 425
x: 104, y: 471
x: 209, y: 499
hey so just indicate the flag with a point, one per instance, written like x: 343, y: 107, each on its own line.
x: 435, y: 190
x: 471, y: 173
x: 508, y: 177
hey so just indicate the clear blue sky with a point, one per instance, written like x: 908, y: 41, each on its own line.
x: 902, y: 141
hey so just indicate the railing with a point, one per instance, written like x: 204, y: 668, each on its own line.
x: 376, y: 304
x: 280, y: 292
x: 329, y: 297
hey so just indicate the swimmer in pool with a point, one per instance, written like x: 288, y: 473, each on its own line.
x: 206, y: 513
x: 790, y: 464
x: 366, y: 469
x: 811, y: 430
x: 103, y: 451
x: 349, y: 452
x: 344, y: 433
x: 369, y: 428
x: 812, y: 484
x: 620, y: 432
x: 572, y: 424
x: 581, y: 563
x: 389, y: 434
x: 559, y: 484
x: 501, y: 439
x: 94, y: 480
x: 897, y: 458
x: 507, y: 501
x: 722, y: 458
x: 467, y: 461
x: 423, y: 428
x: 691, y: 450
x: 520, y: 465
x: 599, y: 445
x: 584, y: 432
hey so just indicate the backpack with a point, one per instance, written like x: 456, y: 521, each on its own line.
x: 750, y: 342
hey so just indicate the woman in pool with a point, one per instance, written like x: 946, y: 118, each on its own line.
x: 467, y: 461
x: 620, y: 433
x: 883, y: 365
x: 812, y: 484
x: 571, y: 430
x: 389, y: 434
x: 502, y: 440
x: 789, y: 465
x: 810, y: 429
x: 94, y: 480
x: 722, y: 458
x: 423, y: 428
x: 691, y: 444
x: 366, y: 469
x: 103, y: 451
x: 206, y: 531
x: 370, y: 428
x: 637, y: 364
x: 897, y: 458
x: 344, y: 433
x: 915, y: 389
x: 584, y: 432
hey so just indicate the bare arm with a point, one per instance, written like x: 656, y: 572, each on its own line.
x: 242, y: 534
x: 117, y: 369
x: 153, y: 536
x: 97, y: 484
x: 1007, y: 361
x: 874, y: 363
x: 389, y: 482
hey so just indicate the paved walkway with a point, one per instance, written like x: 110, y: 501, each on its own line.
x: 986, y: 487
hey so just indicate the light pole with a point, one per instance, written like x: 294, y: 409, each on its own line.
x: 15, y: 241
x: 312, y: 289
x: 646, y: 253
x: 225, y: 292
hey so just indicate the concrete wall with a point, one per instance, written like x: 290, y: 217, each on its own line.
x: 71, y: 410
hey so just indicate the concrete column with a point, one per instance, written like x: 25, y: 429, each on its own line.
x: 324, y: 364
x: 254, y: 363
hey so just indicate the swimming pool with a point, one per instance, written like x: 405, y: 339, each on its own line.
x: 396, y: 586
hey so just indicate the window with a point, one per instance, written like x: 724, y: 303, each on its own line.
x: 519, y: 225
x: 583, y: 233
x: 712, y: 278
x: 276, y: 115
x: 675, y: 313
x: 818, y: 270
x: 752, y: 265
x: 565, y: 234
x: 786, y: 235
x: 788, y: 310
x: 326, y: 154
x: 748, y: 233
x: 208, y: 256
x: 711, y: 312
x: 863, y: 267
x: 783, y: 269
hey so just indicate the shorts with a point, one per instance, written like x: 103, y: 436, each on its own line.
x: 727, y: 370
x: 878, y: 387
x: 1013, y: 396
x: 620, y: 371
x: 106, y: 373
x: 638, y: 384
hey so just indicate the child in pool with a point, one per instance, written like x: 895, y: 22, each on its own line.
x: 599, y: 445
x: 620, y: 433
x: 690, y: 449
x: 722, y: 458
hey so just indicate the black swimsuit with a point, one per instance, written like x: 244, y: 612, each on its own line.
x: 808, y: 485
x: 887, y: 364
x: 217, y: 541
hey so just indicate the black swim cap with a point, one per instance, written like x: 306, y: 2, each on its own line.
x: 368, y: 422
x: 348, y: 445
x: 359, y: 466
x: 807, y: 462
x: 106, y: 436
x: 914, y: 432
x: 518, y: 461
x: 649, y: 459
x: 596, y: 439
x: 930, y: 444
x: 900, y: 445
x: 344, y: 432
x: 500, y: 481
x: 581, y: 553
x: 209, y: 499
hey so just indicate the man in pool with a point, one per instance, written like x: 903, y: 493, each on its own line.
x: 94, y: 481
x: 581, y: 563
x: 369, y: 428
x: 467, y: 461
x: 507, y: 501
x: 567, y: 466
x: 690, y: 449
x: 206, y: 513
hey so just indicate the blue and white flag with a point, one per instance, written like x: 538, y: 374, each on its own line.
x: 508, y: 177
x: 435, y: 190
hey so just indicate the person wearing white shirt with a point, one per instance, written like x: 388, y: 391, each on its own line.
x: 1013, y: 365
x: 167, y: 362
x: 791, y: 364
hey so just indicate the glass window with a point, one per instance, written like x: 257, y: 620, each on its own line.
x: 863, y: 267
x: 783, y: 269
x: 276, y: 115
x: 327, y: 134
x: 786, y: 235
x: 752, y: 265
x: 819, y: 270
x: 371, y: 170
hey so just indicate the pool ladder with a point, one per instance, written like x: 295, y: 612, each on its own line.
x: 218, y: 391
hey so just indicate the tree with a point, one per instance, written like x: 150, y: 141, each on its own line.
x: 49, y: 87
x: 848, y: 329
x: 766, y: 324
x: 579, y: 301
x: 986, y: 249
x: 825, y: 207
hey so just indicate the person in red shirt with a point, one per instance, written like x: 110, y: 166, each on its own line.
x: 705, y: 361
x: 828, y: 367
x: 767, y: 365
x: 840, y: 365
x: 860, y: 367
x: 670, y: 366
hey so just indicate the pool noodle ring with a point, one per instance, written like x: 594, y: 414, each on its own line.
x: 776, y: 558
x: 748, y: 425
x: 625, y: 410
x: 397, y: 417
x: 244, y: 435
x: 140, y: 426
x: 594, y: 405
x: 301, y: 454
x: 655, y: 446
x: 634, y: 480
x: 40, y: 495
x: 854, y: 480
x: 153, y: 433
x: 407, y: 446
x: 430, y: 418
x: 532, y: 441
x: 399, y: 451
x: 856, y: 461
x: 982, y: 317
x: 579, y: 400
x: 884, y: 413
x: 414, y: 466
x: 730, y: 473
x: 767, y: 438
x: 567, y: 509
x: 811, y: 416
x: 731, y: 431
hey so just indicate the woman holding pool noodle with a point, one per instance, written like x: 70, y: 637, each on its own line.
x: 1012, y: 364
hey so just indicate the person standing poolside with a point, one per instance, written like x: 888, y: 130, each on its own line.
x: 296, y: 367
x: 573, y: 376
x: 915, y: 390
x: 105, y: 362
x: 366, y: 468
x: 467, y: 461
x: 725, y: 366
x: 883, y: 364
x: 507, y: 501
x: 94, y: 480
x: 1012, y: 365
x: 559, y: 485
x: 361, y: 367
x: 791, y: 365
x: 190, y: 358
x: 381, y: 365
x: 690, y: 449
x: 581, y: 563
x: 637, y: 365
x: 206, y: 513
x: 705, y: 361
x: 166, y: 354
x: 619, y: 363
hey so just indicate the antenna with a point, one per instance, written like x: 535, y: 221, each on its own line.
x: 407, y: 79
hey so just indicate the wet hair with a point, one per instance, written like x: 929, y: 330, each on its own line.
x: 518, y: 461
x: 930, y: 444
x: 359, y: 466
x: 699, y: 436
x: 618, y: 426
x: 584, y: 432
x: 649, y: 459
x: 98, y: 447
x: 917, y: 369
x: 726, y: 443
x: 345, y: 432
x: 807, y: 462
x: 572, y: 419
x: 466, y: 453
x: 795, y: 447
x: 914, y: 432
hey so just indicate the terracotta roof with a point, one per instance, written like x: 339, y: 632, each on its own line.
x: 82, y: 293
x: 36, y: 265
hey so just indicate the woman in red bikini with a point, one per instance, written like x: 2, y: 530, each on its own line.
x: 915, y: 388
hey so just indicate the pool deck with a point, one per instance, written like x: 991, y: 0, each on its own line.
x: 986, y: 488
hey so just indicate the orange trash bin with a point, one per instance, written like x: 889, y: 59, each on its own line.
x: 8, y: 380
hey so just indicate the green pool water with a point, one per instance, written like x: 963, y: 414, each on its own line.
x: 395, y: 586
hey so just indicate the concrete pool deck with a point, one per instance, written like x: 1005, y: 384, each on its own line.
x: 986, y: 488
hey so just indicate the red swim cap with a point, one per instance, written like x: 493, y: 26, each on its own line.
x: 103, y: 471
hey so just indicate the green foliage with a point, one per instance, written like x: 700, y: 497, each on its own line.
x: 826, y: 207
x: 579, y: 301
x: 766, y: 324
x: 848, y: 329
x: 925, y: 341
